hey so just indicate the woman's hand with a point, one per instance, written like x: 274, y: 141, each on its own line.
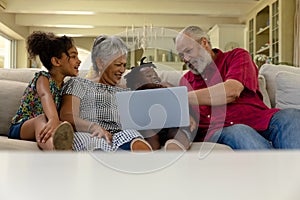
x: 98, y: 131
x: 47, y: 131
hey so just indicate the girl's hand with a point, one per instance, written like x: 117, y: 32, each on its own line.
x: 100, y: 132
x: 48, y: 130
x: 193, y: 124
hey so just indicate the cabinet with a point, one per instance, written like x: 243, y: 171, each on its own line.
x: 251, y: 37
x: 227, y: 36
x: 270, y: 31
x: 263, y: 32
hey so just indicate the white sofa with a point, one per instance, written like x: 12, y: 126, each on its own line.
x: 278, y: 83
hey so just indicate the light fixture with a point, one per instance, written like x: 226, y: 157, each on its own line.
x: 74, y: 12
x: 70, y: 26
x: 142, y: 37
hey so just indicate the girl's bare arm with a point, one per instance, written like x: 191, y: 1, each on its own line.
x: 49, y: 108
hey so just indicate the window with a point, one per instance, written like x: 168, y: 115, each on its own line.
x: 85, y: 57
x: 6, y: 52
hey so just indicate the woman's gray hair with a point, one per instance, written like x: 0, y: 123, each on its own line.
x: 197, y: 33
x: 107, y: 49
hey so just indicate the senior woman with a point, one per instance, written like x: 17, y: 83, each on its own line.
x: 90, y: 105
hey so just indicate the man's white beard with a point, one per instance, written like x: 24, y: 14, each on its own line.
x: 192, y: 68
x: 197, y: 66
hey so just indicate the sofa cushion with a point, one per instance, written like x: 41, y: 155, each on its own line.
x: 263, y: 90
x: 269, y: 71
x: 11, y: 93
x: 171, y: 76
x: 287, y: 90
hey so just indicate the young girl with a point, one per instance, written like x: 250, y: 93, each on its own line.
x: 37, y: 117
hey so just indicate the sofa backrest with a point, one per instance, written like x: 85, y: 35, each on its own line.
x: 21, y: 75
x: 14, y: 81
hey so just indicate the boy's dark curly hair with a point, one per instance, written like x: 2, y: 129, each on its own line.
x: 135, y: 73
x: 150, y: 86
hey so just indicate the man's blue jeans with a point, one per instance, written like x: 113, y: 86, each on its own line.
x: 283, y: 133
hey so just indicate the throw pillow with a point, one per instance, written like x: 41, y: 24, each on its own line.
x: 269, y: 72
x: 287, y: 93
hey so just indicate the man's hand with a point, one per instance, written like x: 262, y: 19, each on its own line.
x: 193, y: 124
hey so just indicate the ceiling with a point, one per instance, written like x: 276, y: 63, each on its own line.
x: 89, y: 18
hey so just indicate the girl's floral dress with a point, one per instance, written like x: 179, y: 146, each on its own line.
x: 31, y: 105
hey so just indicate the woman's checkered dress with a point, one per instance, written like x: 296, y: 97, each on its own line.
x: 98, y: 104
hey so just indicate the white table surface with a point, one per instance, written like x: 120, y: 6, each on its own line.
x: 216, y: 175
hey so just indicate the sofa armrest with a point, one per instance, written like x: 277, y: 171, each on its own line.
x: 11, y: 93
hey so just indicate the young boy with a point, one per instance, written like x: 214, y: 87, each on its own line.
x: 145, y: 77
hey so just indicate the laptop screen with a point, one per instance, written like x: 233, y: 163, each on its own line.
x: 153, y: 108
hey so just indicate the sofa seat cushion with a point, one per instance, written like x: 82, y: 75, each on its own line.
x: 11, y: 93
x: 287, y: 93
x: 11, y: 144
x: 204, y: 148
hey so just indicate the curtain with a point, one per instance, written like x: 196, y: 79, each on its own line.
x: 297, y: 35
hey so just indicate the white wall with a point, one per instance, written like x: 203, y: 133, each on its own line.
x: 227, y: 36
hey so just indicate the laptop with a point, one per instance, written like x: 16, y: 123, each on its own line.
x: 153, y: 108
